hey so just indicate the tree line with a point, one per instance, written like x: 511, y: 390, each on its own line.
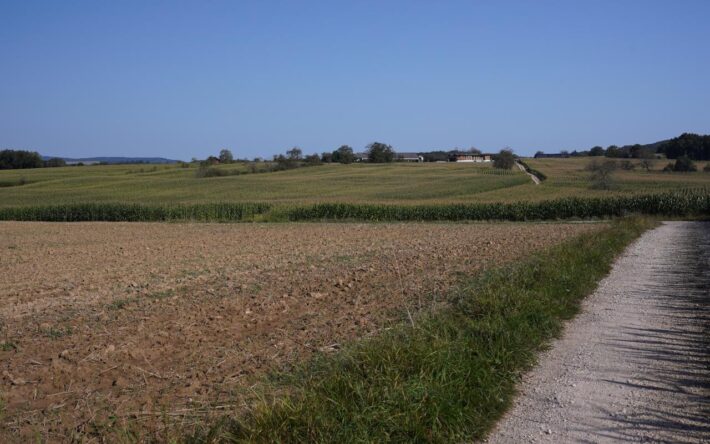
x: 20, y: 159
x: 693, y: 146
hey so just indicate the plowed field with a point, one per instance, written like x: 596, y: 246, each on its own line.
x: 101, y: 323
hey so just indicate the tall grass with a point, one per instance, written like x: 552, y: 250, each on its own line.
x: 447, y: 377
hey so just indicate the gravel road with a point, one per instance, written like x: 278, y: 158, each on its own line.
x: 534, y: 178
x: 634, y: 366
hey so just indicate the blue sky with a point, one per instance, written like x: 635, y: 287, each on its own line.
x: 183, y: 79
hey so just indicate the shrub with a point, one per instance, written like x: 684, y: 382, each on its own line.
x: 628, y: 165
x: 602, y: 174
x: 211, y: 172
x: 684, y: 164
x: 504, y: 160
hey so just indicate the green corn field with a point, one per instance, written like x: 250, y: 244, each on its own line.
x: 685, y: 202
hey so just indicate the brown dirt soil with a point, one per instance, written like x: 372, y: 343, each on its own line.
x: 104, y: 324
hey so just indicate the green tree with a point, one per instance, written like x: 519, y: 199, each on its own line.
x: 294, y: 153
x: 378, y: 152
x: 613, y: 151
x: 312, y: 159
x: 19, y: 159
x: 344, y: 154
x: 505, y: 159
x: 684, y: 164
x: 596, y: 151
x: 225, y: 156
x: 602, y: 174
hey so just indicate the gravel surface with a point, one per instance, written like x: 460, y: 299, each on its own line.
x: 634, y: 365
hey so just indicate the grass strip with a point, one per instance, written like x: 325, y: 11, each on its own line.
x: 450, y: 375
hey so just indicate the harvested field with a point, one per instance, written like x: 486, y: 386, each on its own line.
x: 107, y: 322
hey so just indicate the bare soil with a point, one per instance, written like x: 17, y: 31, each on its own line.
x: 104, y: 323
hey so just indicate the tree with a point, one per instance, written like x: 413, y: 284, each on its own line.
x: 344, y: 154
x: 505, y: 159
x: 19, y: 159
x: 646, y: 164
x: 225, y: 156
x: 474, y: 150
x: 636, y: 151
x: 312, y: 159
x: 627, y: 165
x: 613, y: 151
x: 695, y: 146
x: 378, y: 152
x: 294, y: 153
x: 684, y: 164
x: 596, y: 151
x: 601, y: 177
x: 326, y: 157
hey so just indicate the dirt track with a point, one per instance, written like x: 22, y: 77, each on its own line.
x: 635, y: 365
x: 103, y: 323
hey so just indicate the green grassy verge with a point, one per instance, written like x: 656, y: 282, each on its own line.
x: 448, y: 376
x: 679, y: 203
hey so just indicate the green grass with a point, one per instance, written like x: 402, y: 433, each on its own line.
x: 569, y: 177
x: 394, y: 183
x: 402, y: 184
x: 446, y: 378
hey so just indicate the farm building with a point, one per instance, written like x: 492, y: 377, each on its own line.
x: 408, y: 157
x: 468, y: 157
x: 398, y: 157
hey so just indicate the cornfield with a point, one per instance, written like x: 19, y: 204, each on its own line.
x: 673, y: 203
x: 686, y: 202
x: 117, y: 212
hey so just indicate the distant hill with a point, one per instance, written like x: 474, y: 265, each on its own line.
x: 112, y: 160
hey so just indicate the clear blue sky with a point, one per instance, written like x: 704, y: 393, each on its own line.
x: 181, y: 79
